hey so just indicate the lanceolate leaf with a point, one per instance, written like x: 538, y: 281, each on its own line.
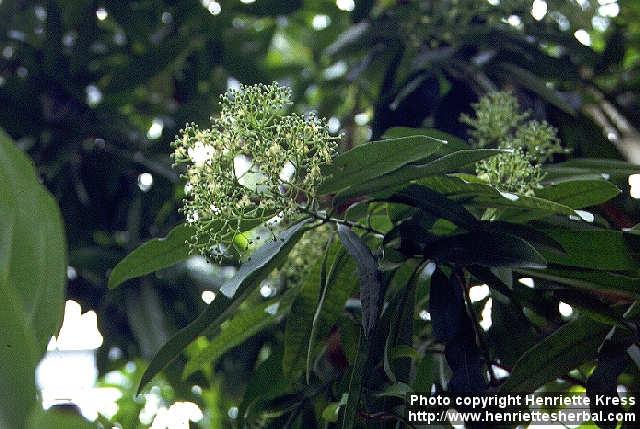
x: 245, y: 323
x: 435, y: 204
x: 453, y: 143
x: 267, y: 382
x: 588, y: 279
x: 579, y: 193
x: 264, y: 259
x: 446, y: 306
x: 358, y: 373
x: 527, y: 233
x: 596, y: 249
x: 32, y: 279
x: 452, y: 326
x: 604, y: 168
x: 370, y: 282
x: 450, y: 162
x: 152, y: 256
x: 331, y: 297
x: 490, y: 249
x: 482, y: 195
x: 612, y: 361
x: 299, y: 323
x: 370, y: 160
x: 234, y: 292
x: 159, y: 253
x: 567, y: 348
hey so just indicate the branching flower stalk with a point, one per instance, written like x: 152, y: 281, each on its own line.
x: 498, y: 123
x: 254, y: 163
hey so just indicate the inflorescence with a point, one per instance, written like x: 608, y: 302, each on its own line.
x: 498, y: 123
x: 254, y: 163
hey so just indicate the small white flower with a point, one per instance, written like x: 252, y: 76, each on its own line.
x: 193, y: 217
x: 287, y: 171
x: 200, y: 153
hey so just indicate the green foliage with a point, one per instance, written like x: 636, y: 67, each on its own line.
x: 152, y: 256
x: 32, y: 281
x: 233, y: 293
x: 443, y: 218
x: 569, y: 347
x: 368, y: 161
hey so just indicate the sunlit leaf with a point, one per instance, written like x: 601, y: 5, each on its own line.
x: 451, y: 162
x: 373, y: 159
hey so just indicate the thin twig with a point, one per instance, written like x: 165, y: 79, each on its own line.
x: 345, y: 222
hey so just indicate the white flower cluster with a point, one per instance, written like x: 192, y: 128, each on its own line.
x: 253, y: 163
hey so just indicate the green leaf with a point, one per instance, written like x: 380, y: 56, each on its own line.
x: 159, y: 253
x: 234, y: 292
x: 490, y: 249
x: 373, y: 159
x: 612, y: 361
x: 451, y: 162
x: 299, y: 323
x: 370, y: 280
x: 266, y: 383
x: 567, y: 348
x: 590, y: 306
x: 32, y: 279
x: 482, y: 195
x: 588, y: 279
x: 579, y: 193
x: 152, y: 256
x: 358, y: 374
x: 604, y: 168
x: 435, y: 204
x: 527, y: 233
x: 245, y: 323
x: 396, y: 390
x: 339, y: 286
x: 327, y: 280
x: 401, y: 312
x: 446, y: 306
x: 595, y: 249
x: 511, y: 333
x: 453, y: 143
